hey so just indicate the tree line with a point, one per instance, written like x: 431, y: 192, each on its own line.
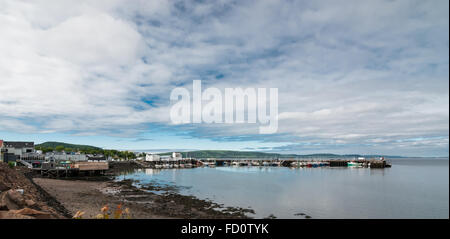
x: 106, y: 152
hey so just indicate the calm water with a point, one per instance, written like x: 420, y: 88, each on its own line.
x: 412, y: 188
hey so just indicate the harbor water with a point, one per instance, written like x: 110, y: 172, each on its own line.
x: 411, y: 188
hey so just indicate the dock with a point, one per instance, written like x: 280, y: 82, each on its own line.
x: 84, y: 168
x: 56, y: 170
x: 270, y: 162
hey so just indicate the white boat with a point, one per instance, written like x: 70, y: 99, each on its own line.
x: 354, y: 164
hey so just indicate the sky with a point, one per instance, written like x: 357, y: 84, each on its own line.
x: 366, y: 77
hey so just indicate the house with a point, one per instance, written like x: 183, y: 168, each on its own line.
x: 165, y: 158
x: 14, y: 150
x: 96, y: 157
x: 66, y: 156
x: 177, y: 156
x: 152, y: 157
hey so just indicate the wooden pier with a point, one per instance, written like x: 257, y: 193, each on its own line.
x: 54, y: 170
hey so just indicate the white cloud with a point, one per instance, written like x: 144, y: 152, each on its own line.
x: 348, y: 72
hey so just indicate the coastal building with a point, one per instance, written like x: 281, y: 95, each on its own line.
x: 177, y: 156
x: 12, y: 151
x: 74, y: 157
x: 66, y: 156
x: 166, y: 158
x: 140, y: 158
x: 1, y: 150
x: 152, y: 158
x: 96, y: 157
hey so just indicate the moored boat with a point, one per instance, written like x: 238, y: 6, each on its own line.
x: 275, y: 164
x: 354, y: 164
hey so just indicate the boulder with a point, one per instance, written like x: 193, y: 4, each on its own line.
x: 11, y: 200
x: 33, y: 213
x: 12, y: 215
x: 3, y: 187
x: 3, y: 205
x: 30, y: 203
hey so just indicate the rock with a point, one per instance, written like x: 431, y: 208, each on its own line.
x: 11, y: 200
x: 3, y: 187
x: 30, y: 203
x: 33, y: 213
x: 12, y: 215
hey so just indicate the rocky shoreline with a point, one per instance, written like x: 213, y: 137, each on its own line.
x: 67, y: 196
x: 90, y: 196
x: 20, y: 198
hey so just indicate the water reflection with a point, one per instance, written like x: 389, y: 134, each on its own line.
x: 410, y: 189
x: 151, y: 171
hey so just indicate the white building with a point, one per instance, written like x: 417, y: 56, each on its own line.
x: 166, y: 158
x: 152, y: 157
x: 177, y: 156
x: 12, y: 151
x: 66, y: 157
x: 18, y: 148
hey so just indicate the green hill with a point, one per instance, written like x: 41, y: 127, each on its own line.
x: 53, y: 145
x: 252, y: 154
x: 231, y: 154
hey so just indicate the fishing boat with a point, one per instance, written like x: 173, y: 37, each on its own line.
x: 275, y: 164
x: 354, y: 164
x: 243, y: 163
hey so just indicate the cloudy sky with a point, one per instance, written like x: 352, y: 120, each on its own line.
x: 352, y: 76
